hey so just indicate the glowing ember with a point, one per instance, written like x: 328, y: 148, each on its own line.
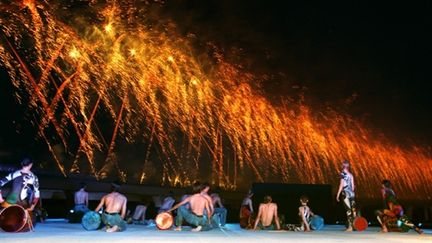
x: 151, y: 89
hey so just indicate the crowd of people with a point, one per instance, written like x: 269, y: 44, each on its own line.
x: 204, y: 211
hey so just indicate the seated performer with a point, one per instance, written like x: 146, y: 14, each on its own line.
x: 305, y: 214
x: 267, y: 215
x: 139, y: 214
x: 346, y: 189
x: 220, y: 211
x: 114, y: 209
x: 167, y: 203
x: 195, y: 215
x: 81, y: 199
x: 246, y: 211
x: 392, y: 217
x: 25, y: 187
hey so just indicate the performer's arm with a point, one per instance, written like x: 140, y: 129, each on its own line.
x: 339, y: 190
x: 101, y: 204
x: 258, y: 217
x: 86, y: 199
x: 186, y: 200
x: 276, y: 217
x: 123, y: 211
x: 305, y: 223
x: 36, y: 193
x: 4, y: 181
x: 219, y: 202
x: 209, y: 214
x: 250, y: 205
x: 352, y: 183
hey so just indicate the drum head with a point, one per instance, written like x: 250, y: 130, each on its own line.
x: 164, y: 221
x: 13, y: 218
x: 317, y: 222
x: 91, y: 221
x: 360, y: 223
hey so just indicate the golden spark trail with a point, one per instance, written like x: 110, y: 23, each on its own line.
x: 198, y: 117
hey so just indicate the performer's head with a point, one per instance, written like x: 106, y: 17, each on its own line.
x: 304, y: 199
x: 205, y: 187
x: 27, y: 163
x: 386, y: 183
x: 268, y: 199
x: 196, y: 188
x: 345, y: 164
x: 83, y: 185
x: 115, y: 186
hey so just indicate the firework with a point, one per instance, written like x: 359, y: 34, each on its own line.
x: 116, y: 80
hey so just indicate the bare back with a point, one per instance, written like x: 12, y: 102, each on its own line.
x: 198, y: 203
x: 267, y: 212
x: 81, y: 197
x: 114, y: 203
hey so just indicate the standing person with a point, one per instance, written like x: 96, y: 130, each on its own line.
x: 246, y: 211
x: 393, y: 212
x: 81, y: 199
x: 114, y: 209
x: 25, y: 187
x: 346, y: 190
x: 267, y: 216
x: 198, y: 204
x: 219, y: 210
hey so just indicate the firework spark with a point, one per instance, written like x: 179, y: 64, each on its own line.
x: 146, y: 83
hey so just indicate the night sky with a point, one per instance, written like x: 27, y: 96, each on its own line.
x: 368, y: 60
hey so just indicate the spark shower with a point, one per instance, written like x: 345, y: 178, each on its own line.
x: 119, y: 79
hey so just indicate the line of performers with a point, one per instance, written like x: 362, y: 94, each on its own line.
x: 201, y: 210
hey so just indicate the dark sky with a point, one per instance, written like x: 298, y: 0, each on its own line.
x: 375, y: 55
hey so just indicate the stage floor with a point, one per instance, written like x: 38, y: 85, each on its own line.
x: 60, y: 231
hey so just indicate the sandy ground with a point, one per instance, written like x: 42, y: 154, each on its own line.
x: 60, y: 231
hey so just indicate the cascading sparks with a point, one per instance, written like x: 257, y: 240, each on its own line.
x: 143, y: 84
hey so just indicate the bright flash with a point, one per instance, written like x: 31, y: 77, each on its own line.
x: 74, y: 53
x: 171, y: 59
x: 132, y: 52
x: 108, y: 28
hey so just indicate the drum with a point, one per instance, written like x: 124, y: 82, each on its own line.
x: 91, y: 221
x: 317, y: 222
x: 164, y: 221
x: 360, y: 223
x: 14, y: 218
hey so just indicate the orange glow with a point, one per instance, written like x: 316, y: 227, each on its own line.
x: 163, y: 91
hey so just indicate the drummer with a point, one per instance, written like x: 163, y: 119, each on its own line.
x: 114, y: 209
x: 195, y: 215
x: 25, y: 187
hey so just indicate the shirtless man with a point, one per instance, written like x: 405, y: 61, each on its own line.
x: 81, y: 199
x: 195, y: 215
x: 167, y: 203
x: 347, y: 187
x: 266, y: 214
x: 219, y: 210
x: 115, y: 209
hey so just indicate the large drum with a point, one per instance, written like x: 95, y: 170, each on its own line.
x: 317, y: 222
x: 91, y: 221
x: 360, y: 223
x: 164, y: 221
x: 15, y: 218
